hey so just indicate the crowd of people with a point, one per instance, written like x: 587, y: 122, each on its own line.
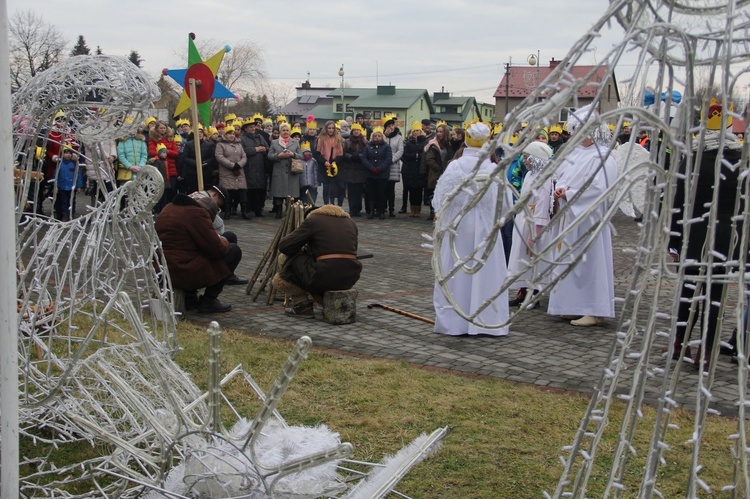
x: 247, y: 162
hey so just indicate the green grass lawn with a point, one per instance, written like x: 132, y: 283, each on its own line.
x: 505, y: 438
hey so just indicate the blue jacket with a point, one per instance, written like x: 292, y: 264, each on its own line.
x: 65, y: 177
x: 377, y: 159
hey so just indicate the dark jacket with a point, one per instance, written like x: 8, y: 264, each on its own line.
x: 255, y: 168
x: 377, y: 159
x: 433, y: 160
x: 413, y: 151
x: 189, y: 170
x: 703, y: 203
x: 351, y: 169
x: 194, y: 251
x: 327, y: 230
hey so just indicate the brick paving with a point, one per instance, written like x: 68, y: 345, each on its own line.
x: 541, y: 350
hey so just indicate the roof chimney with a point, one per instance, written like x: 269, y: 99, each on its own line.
x: 553, y: 63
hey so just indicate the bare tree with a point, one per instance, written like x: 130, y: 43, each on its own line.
x: 34, y: 46
x: 279, y: 94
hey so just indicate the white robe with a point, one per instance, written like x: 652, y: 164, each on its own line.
x: 470, y: 290
x: 524, y: 229
x: 589, y: 288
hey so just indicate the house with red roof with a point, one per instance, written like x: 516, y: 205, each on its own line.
x: 520, y: 81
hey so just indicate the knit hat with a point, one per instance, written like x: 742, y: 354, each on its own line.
x: 477, y: 133
x: 344, y: 123
x: 220, y: 125
x: 160, y: 147
x: 426, y: 121
x: 358, y: 116
x: 538, y: 150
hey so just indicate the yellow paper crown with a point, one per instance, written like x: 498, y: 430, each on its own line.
x: 248, y: 121
x: 212, y: 130
x: 416, y: 125
x: 441, y: 122
x: 296, y: 129
x: 160, y: 147
x: 388, y: 117
x: 149, y: 120
x: 357, y: 126
x: 280, y: 118
x: 178, y: 139
x: 230, y: 117
x: 497, y: 128
x: 377, y: 129
x: 555, y: 129
x: 305, y: 146
x: 257, y: 116
x: 715, y: 112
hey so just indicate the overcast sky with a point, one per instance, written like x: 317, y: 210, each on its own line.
x: 456, y: 45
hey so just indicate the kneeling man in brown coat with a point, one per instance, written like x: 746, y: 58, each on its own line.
x: 197, y: 256
x: 321, y: 255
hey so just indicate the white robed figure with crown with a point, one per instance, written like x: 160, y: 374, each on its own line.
x: 473, y: 229
x: 586, y: 294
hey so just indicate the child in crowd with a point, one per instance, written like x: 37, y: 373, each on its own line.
x: 67, y: 180
x: 308, y: 180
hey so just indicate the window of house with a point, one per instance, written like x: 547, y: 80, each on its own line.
x: 338, y: 108
x: 367, y: 115
x: 376, y: 115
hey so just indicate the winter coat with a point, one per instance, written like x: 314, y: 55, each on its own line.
x: 309, y: 177
x: 351, y: 169
x: 703, y: 202
x: 433, y: 159
x: 326, y: 230
x: 100, y: 152
x: 410, y: 161
x: 255, y: 168
x: 66, y: 177
x: 396, y: 141
x: 227, y: 155
x: 173, y: 151
x: 189, y: 168
x: 377, y: 159
x: 283, y: 182
x: 132, y: 152
x: 193, y: 249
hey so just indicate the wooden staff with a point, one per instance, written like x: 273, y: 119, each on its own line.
x: 196, y: 135
x: 402, y: 312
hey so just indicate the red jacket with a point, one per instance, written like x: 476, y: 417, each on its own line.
x: 172, y: 152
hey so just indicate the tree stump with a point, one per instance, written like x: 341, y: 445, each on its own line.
x: 340, y: 307
x: 179, y: 302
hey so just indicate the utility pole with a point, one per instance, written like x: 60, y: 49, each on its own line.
x: 507, y: 85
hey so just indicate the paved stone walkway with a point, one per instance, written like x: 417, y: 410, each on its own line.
x: 541, y: 350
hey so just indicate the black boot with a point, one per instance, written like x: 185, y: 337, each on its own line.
x: 520, y: 297
x: 279, y: 214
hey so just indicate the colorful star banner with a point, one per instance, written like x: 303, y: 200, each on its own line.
x: 207, y: 86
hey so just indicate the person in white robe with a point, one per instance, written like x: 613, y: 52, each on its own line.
x: 530, y: 223
x: 586, y: 294
x: 470, y: 290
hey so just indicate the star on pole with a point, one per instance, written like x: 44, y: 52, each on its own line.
x: 207, y: 87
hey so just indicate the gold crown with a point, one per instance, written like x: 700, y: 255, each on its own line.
x: 497, y: 128
x: 441, y: 122
x: 305, y: 146
x: 416, y: 125
x: 357, y: 126
x: 388, y: 117
x: 280, y: 118
x: 296, y: 129
x: 257, y: 116
x: 555, y: 129
x: 715, y: 112
x: 212, y: 131
x: 148, y: 121
x: 377, y: 129
x: 230, y: 117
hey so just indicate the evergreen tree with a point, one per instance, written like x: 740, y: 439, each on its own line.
x: 80, y: 47
x: 98, y: 50
x: 264, y: 105
x: 135, y: 58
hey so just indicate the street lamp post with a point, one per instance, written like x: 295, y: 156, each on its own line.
x: 343, y: 107
x: 534, y: 60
